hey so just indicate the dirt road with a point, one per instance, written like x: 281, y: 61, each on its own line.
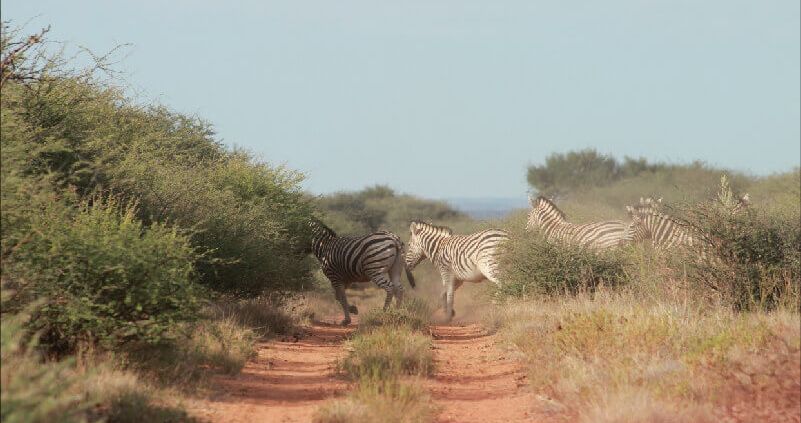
x: 291, y: 376
x: 286, y: 382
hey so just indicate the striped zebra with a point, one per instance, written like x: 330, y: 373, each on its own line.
x: 376, y: 257
x: 552, y: 222
x: 459, y: 258
x: 665, y: 231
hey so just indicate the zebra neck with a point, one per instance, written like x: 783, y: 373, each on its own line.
x: 553, y: 222
x: 433, y: 246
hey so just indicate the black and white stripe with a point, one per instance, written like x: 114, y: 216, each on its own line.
x: 552, y: 222
x: 665, y: 231
x: 459, y: 258
x: 376, y: 257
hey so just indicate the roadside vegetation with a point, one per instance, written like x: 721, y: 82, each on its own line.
x: 387, y: 355
x: 638, y: 334
x: 130, y: 236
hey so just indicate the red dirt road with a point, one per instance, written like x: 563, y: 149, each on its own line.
x: 286, y: 382
x: 474, y: 380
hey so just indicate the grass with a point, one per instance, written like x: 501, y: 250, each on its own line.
x: 387, y: 355
x: 413, y: 314
x: 387, y: 352
x: 390, y: 401
x: 615, y: 356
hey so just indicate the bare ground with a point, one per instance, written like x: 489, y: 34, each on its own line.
x: 291, y: 377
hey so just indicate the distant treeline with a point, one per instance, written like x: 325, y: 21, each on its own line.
x: 574, y: 171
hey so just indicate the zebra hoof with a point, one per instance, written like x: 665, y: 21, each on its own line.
x: 453, y: 313
x: 345, y: 322
x: 353, y: 310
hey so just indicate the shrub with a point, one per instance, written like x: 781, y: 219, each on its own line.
x: 379, y: 207
x: 33, y: 391
x: 531, y: 265
x: 104, y: 275
x: 757, y: 253
x: 78, y: 132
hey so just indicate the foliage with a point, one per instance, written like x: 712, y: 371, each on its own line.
x: 77, y: 132
x: 758, y: 252
x: 379, y: 207
x: 598, y: 186
x: 105, y: 276
x: 390, y: 401
x: 566, y: 172
x: 532, y: 265
x: 33, y: 391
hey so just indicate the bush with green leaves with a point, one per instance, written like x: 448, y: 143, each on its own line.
x: 103, y: 275
x: 32, y: 391
x: 757, y: 251
x: 532, y: 265
x: 379, y: 207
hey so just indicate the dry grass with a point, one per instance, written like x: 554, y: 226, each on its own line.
x: 386, y: 352
x: 390, y: 401
x: 614, y: 356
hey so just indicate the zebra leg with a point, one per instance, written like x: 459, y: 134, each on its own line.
x: 339, y: 292
x: 388, y: 299
x: 449, y: 313
x: 489, y: 270
x: 398, y: 294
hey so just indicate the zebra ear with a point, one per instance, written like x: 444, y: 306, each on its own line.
x: 413, y: 228
x: 531, y: 201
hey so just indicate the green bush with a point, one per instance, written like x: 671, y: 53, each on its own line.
x: 379, y: 207
x: 79, y: 133
x: 31, y: 390
x: 757, y: 255
x: 103, y: 275
x: 531, y: 265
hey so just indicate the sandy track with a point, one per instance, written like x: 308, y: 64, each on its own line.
x: 474, y: 380
x: 286, y: 382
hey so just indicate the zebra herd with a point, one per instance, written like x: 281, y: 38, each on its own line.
x: 380, y: 257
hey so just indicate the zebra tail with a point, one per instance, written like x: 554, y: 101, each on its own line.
x: 409, y: 276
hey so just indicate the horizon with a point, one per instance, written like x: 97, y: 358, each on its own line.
x: 455, y: 100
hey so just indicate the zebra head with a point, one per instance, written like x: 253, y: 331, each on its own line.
x: 542, y: 211
x: 423, y: 242
x: 319, y: 233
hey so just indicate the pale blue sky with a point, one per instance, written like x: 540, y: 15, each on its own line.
x: 456, y: 98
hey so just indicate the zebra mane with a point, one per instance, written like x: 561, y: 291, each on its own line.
x: 445, y: 229
x: 550, y: 205
x: 318, y: 225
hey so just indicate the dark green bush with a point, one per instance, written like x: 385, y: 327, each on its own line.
x: 530, y: 265
x: 379, y: 207
x: 102, y: 274
x: 758, y: 255
x: 81, y: 134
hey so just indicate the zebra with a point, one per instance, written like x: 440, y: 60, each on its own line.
x: 598, y: 235
x: 459, y: 258
x: 665, y: 231
x: 376, y: 257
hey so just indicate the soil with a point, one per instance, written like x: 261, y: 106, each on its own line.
x: 475, y: 381
x: 292, y: 376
